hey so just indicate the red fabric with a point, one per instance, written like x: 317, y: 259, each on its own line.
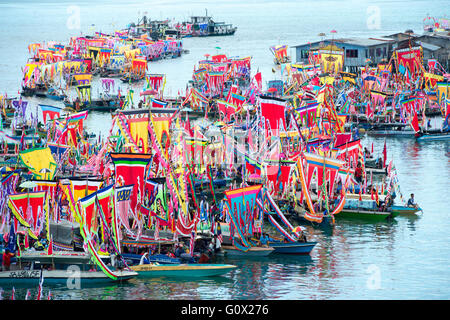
x: 415, y: 123
x: 342, y: 138
x: 272, y: 110
x: 283, y: 177
x: 410, y: 59
x: 219, y: 58
x: 227, y: 110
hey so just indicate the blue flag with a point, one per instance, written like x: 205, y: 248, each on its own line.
x: 12, y: 239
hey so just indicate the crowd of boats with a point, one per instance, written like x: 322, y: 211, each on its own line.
x: 229, y: 168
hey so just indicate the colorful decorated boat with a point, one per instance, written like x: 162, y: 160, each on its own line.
x: 364, y: 207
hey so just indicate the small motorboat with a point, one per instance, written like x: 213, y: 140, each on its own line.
x: 292, y: 247
x: 405, y: 210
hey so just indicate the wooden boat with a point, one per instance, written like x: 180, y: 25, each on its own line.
x: 327, y: 222
x: 100, y: 105
x: 51, y: 94
x: 252, y: 252
x: 205, y: 26
x: 365, y: 209
x: 398, y: 130
x: 372, y: 215
x: 292, y: 247
x: 59, y: 267
x: 132, y: 78
x: 182, y: 270
x: 404, y: 210
x: 376, y: 171
x: 433, y: 136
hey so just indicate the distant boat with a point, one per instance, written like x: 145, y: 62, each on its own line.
x: 182, y: 270
x: 205, y: 26
x: 398, y: 130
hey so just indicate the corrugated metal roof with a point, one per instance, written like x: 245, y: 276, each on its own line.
x: 362, y: 42
x: 428, y: 46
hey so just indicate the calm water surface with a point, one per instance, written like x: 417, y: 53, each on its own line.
x: 407, y: 258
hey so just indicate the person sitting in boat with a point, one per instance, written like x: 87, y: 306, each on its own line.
x: 302, y: 237
x: 411, y: 202
x: 179, y: 250
x: 265, y: 238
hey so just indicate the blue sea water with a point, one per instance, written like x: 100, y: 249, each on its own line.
x: 407, y: 258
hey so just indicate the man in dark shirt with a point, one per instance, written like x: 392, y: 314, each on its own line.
x: 358, y: 173
x: 411, y: 201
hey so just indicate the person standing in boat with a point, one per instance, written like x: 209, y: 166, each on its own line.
x: 6, y: 262
x: 358, y: 173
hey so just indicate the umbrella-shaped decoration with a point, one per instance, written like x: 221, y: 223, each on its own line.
x: 28, y: 184
x: 45, y: 171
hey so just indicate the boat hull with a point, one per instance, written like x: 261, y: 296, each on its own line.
x: 252, y: 252
x: 14, y: 277
x: 401, y: 210
x: 182, y: 270
x: 293, y: 247
x: 434, y: 137
x: 364, y: 214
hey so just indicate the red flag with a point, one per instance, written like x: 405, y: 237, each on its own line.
x: 376, y: 195
x: 415, y: 123
x: 50, y: 246
x: 384, y: 154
